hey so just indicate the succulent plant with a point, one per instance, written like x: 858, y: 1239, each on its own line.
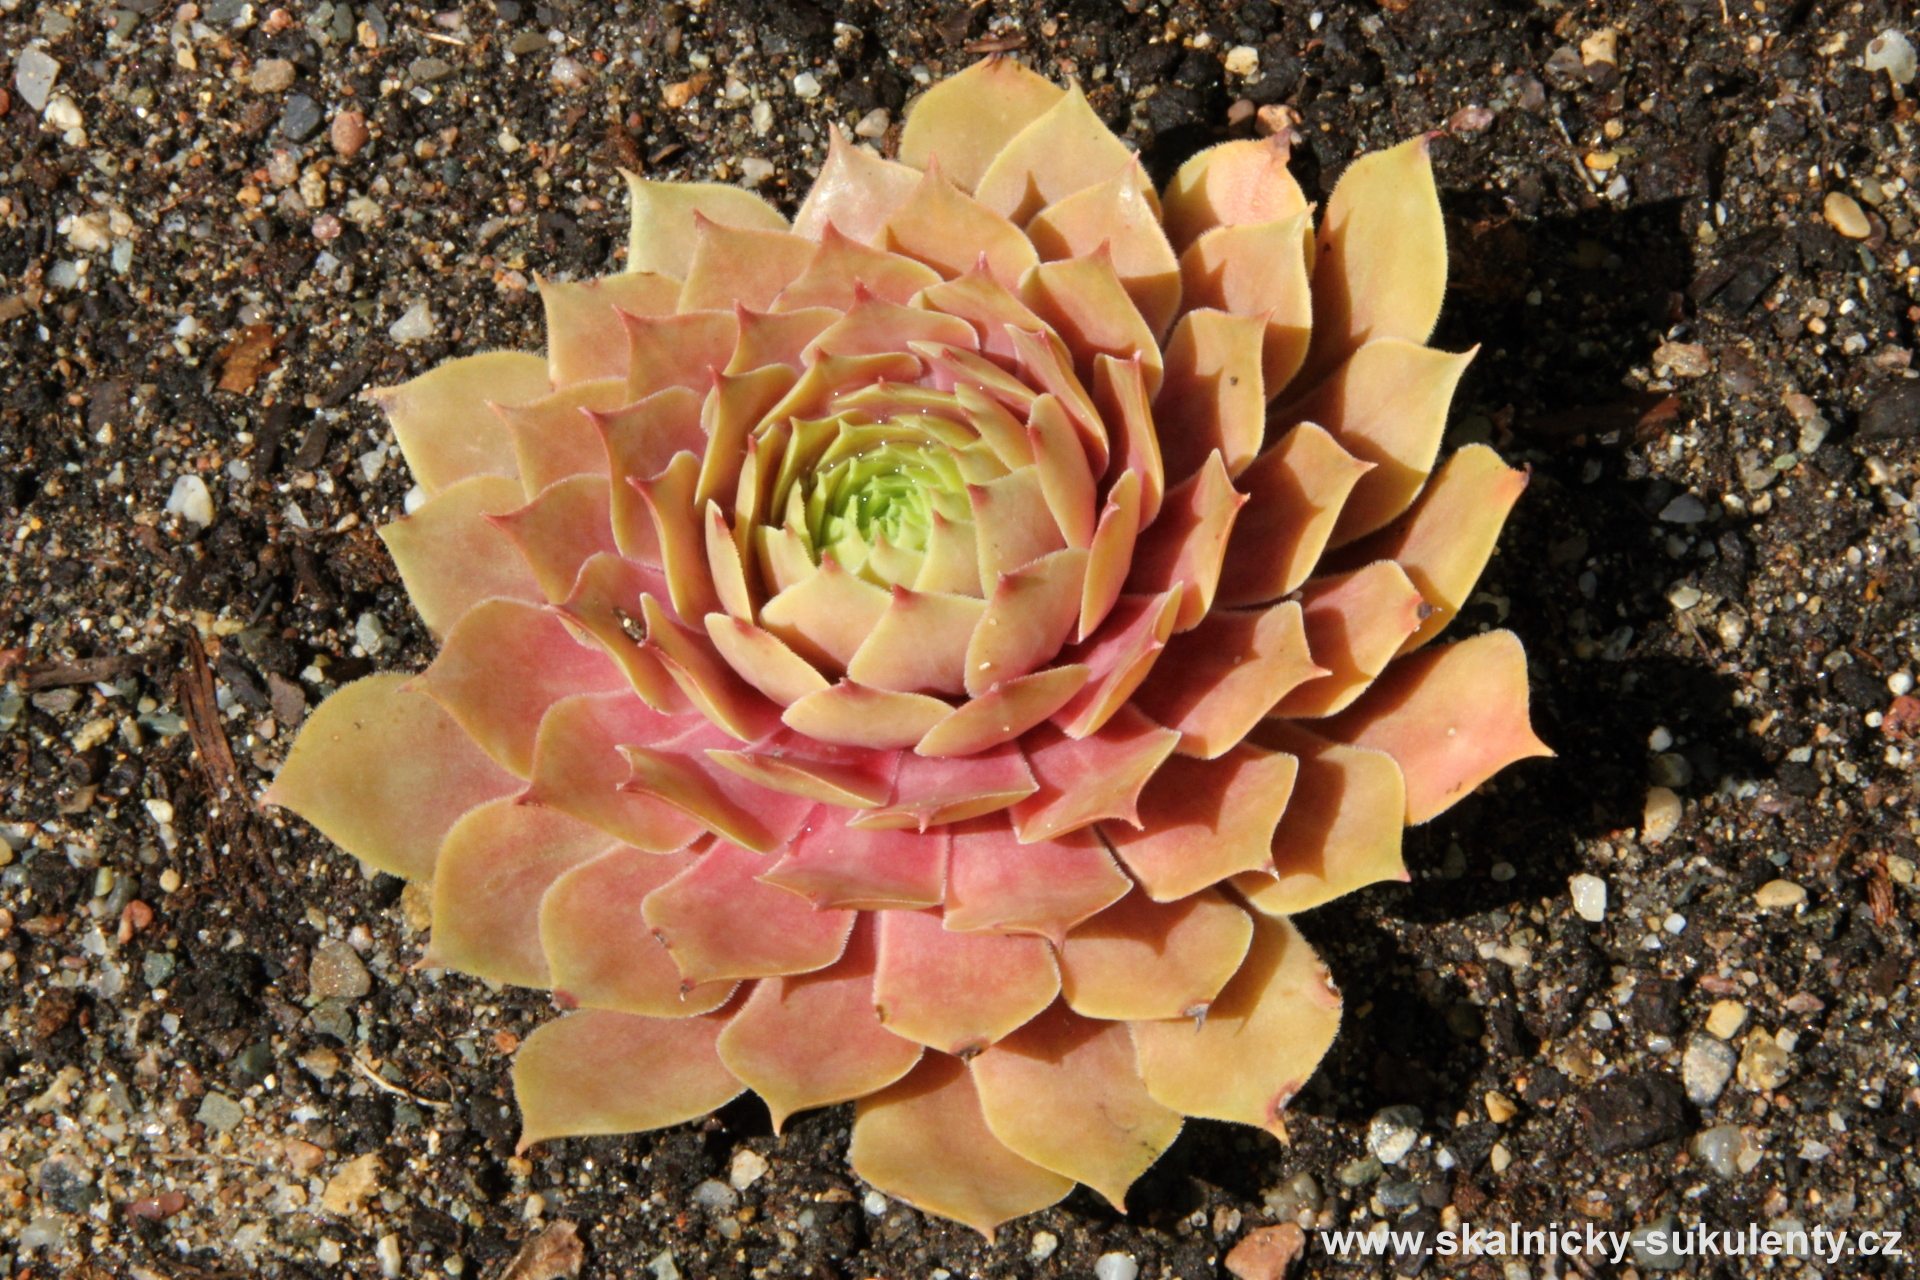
x: 923, y: 652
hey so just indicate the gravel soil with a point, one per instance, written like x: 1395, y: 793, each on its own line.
x: 1683, y: 236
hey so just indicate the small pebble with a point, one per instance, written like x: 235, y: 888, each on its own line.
x: 1720, y: 1148
x: 337, y: 972
x: 191, y: 501
x: 33, y: 76
x: 352, y: 1183
x: 1900, y: 683
x: 1589, y: 897
x: 1393, y: 1133
x: 1661, y: 814
x: 873, y: 124
x: 1243, y: 60
x: 1042, y: 1246
x: 416, y: 324
x: 300, y: 117
x: 874, y: 1203
x: 1763, y: 1063
x: 1725, y: 1018
x: 219, y: 1112
x: 273, y: 75
x: 429, y: 70
x: 63, y: 115
x: 1682, y: 359
x: 1115, y: 1266
x: 1705, y: 1068
x: 1845, y: 215
x: 1499, y: 1110
x: 1891, y: 52
x: 806, y: 86
x: 348, y: 134
x: 387, y: 1250
x: 1775, y: 894
x: 1685, y: 509
x: 1267, y: 1253
x: 715, y: 1196
x: 748, y: 1167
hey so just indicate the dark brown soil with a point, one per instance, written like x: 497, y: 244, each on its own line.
x: 1714, y: 571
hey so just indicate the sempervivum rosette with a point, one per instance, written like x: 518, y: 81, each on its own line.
x: 922, y: 653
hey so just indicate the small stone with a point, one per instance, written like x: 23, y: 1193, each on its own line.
x: 528, y: 43
x: 1267, y: 1253
x: 1684, y: 596
x: 1681, y: 360
x: 191, y: 501
x: 873, y: 124
x: 33, y: 76
x: 1719, y: 1148
x: 1775, y: 894
x: 1602, y: 48
x: 428, y: 70
x: 748, y: 1167
x: 755, y: 171
x: 1042, y: 1246
x: 1243, y: 60
x: 348, y: 134
x: 303, y: 1157
x: 874, y: 1203
x: 1660, y: 816
x: 1725, y: 1018
x: 806, y: 86
x: 1589, y: 897
x: 1763, y: 1063
x: 1891, y: 52
x: 66, y: 1184
x: 1393, y: 1132
x: 386, y: 1251
x: 715, y: 1196
x: 1685, y: 509
x: 219, y: 1112
x: 1499, y: 1110
x: 1295, y: 1200
x: 300, y: 117
x: 1845, y: 215
x: 1115, y: 1266
x: 336, y: 972
x: 1500, y: 1158
x: 1358, y: 1173
x: 1633, y: 1112
x: 1705, y: 1068
x: 273, y: 75
x: 352, y: 1183
x: 63, y: 115
x: 416, y: 324
x: 369, y: 634
x: 663, y: 1266
x: 1893, y: 413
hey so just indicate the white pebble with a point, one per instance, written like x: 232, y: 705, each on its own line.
x: 1589, y: 897
x: 33, y: 76
x: 1243, y: 60
x: 1660, y: 816
x: 191, y: 501
x: 415, y: 325
x: 1115, y: 1266
x: 806, y: 86
x: 1660, y: 739
x: 754, y: 171
x: 1900, y: 683
x: 748, y: 1167
x: 1044, y: 1243
x: 874, y: 1203
x: 1891, y: 52
x: 873, y: 124
x: 368, y: 634
x: 62, y: 114
x: 388, y: 1251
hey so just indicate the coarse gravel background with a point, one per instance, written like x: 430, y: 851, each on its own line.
x: 1667, y: 976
